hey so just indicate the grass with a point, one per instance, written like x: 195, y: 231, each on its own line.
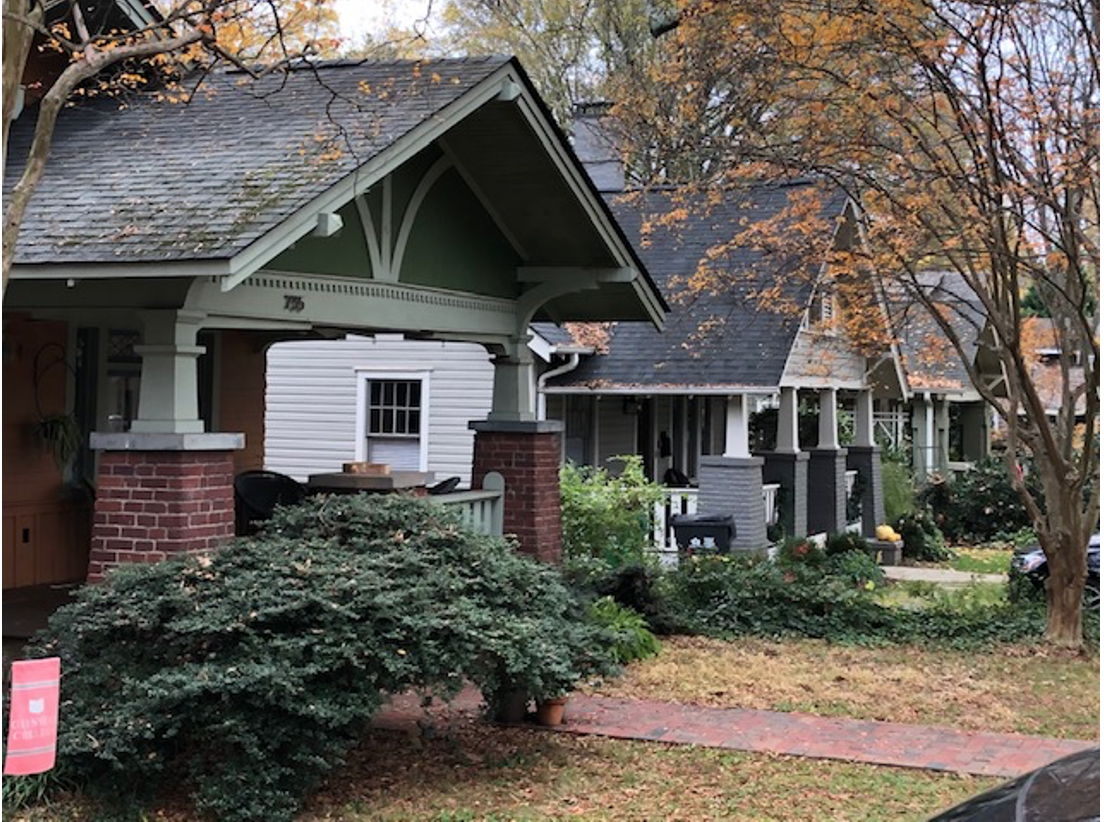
x: 1018, y: 689
x: 981, y: 560
x: 477, y: 771
x: 502, y: 774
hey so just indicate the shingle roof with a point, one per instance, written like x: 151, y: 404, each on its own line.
x: 930, y: 363
x: 160, y: 181
x: 749, y: 346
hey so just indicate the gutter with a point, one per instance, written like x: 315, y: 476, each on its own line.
x: 571, y: 364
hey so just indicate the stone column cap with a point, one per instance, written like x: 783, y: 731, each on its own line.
x: 826, y: 451
x: 788, y: 456
x: 517, y: 426
x: 731, y: 462
x: 151, y: 441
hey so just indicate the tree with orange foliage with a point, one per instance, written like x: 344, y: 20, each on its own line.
x: 969, y: 133
x: 184, y: 37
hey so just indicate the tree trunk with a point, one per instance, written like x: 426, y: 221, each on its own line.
x: 17, y: 45
x: 1065, y: 586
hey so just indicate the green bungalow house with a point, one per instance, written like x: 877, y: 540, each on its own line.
x: 169, y: 245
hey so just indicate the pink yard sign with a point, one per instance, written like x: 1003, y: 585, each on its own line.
x: 33, y: 722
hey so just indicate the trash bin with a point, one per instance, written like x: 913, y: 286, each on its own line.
x: 256, y: 495
x: 704, y: 533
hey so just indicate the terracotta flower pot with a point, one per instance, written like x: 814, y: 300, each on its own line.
x: 551, y: 711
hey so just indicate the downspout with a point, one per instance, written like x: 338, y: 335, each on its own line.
x: 542, y: 405
x: 929, y: 434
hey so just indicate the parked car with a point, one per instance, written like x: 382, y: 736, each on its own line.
x: 1029, y: 571
x: 1067, y: 790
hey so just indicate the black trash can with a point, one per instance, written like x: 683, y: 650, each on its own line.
x: 256, y: 495
x: 704, y: 533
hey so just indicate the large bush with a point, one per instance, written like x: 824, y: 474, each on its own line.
x: 979, y: 504
x: 606, y: 516
x: 898, y: 490
x: 922, y: 537
x: 726, y: 596
x: 246, y: 675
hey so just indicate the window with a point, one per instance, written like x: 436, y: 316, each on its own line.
x: 392, y: 419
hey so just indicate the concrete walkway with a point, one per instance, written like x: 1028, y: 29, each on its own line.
x: 940, y: 576
x: 794, y: 734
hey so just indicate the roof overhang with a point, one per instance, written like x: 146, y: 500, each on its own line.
x: 510, y: 84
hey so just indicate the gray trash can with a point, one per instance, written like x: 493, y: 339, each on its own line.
x: 704, y: 533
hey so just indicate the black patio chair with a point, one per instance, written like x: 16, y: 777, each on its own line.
x: 256, y: 495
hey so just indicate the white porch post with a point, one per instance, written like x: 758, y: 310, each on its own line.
x: 168, y: 400
x: 513, y: 398
x: 736, y: 427
x: 864, y: 419
x: 829, y: 427
x: 787, y: 439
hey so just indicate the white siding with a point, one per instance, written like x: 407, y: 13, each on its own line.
x: 311, y: 400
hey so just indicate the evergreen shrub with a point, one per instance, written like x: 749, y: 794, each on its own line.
x: 247, y: 674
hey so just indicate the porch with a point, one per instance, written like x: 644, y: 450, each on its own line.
x: 753, y: 455
x: 150, y: 361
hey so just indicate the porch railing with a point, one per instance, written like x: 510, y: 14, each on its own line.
x: 675, y: 501
x: 891, y: 427
x: 849, y: 480
x: 481, y: 510
x: 770, y: 502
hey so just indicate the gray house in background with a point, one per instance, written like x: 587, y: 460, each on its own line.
x: 941, y: 423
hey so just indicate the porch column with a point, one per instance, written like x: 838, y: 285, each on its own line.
x: 526, y: 452
x: 827, y: 470
x: 864, y: 456
x: 788, y: 466
x: 733, y: 484
x: 165, y: 487
x: 168, y: 400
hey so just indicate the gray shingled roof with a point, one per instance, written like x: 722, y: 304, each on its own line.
x: 930, y: 363
x: 749, y: 347
x: 159, y: 181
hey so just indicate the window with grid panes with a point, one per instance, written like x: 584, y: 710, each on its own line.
x: 394, y: 408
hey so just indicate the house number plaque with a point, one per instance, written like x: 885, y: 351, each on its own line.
x: 294, y: 303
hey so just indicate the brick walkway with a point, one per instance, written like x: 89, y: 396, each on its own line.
x: 794, y: 734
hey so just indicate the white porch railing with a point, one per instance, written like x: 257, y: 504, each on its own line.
x: 770, y: 502
x: 891, y: 427
x: 685, y: 501
x: 675, y: 501
x: 849, y: 480
x: 480, y: 510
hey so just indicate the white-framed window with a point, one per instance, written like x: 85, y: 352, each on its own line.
x: 393, y: 418
x: 822, y: 310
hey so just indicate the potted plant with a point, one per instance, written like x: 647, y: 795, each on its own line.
x: 550, y: 711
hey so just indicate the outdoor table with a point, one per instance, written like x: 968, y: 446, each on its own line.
x: 349, y: 483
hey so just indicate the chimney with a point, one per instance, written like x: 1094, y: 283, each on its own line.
x: 596, y: 145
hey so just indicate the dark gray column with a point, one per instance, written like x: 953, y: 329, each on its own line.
x: 791, y: 471
x: 827, y: 490
x: 868, y: 462
x: 734, y: 485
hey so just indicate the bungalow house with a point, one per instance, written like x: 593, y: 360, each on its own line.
x: 168, y: 246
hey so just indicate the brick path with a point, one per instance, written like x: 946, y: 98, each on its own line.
x: 795, y: 734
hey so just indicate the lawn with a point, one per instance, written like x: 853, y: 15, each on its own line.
x: 501, y: 774
x: 478, y: 771
x: 1020, y: 689
x: 981, y: 560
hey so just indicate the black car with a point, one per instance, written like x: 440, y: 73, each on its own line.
x: 1029, y: 570
x: 1067, y: 790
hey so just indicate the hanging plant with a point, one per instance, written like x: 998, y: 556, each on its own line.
x: 60, y: 435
